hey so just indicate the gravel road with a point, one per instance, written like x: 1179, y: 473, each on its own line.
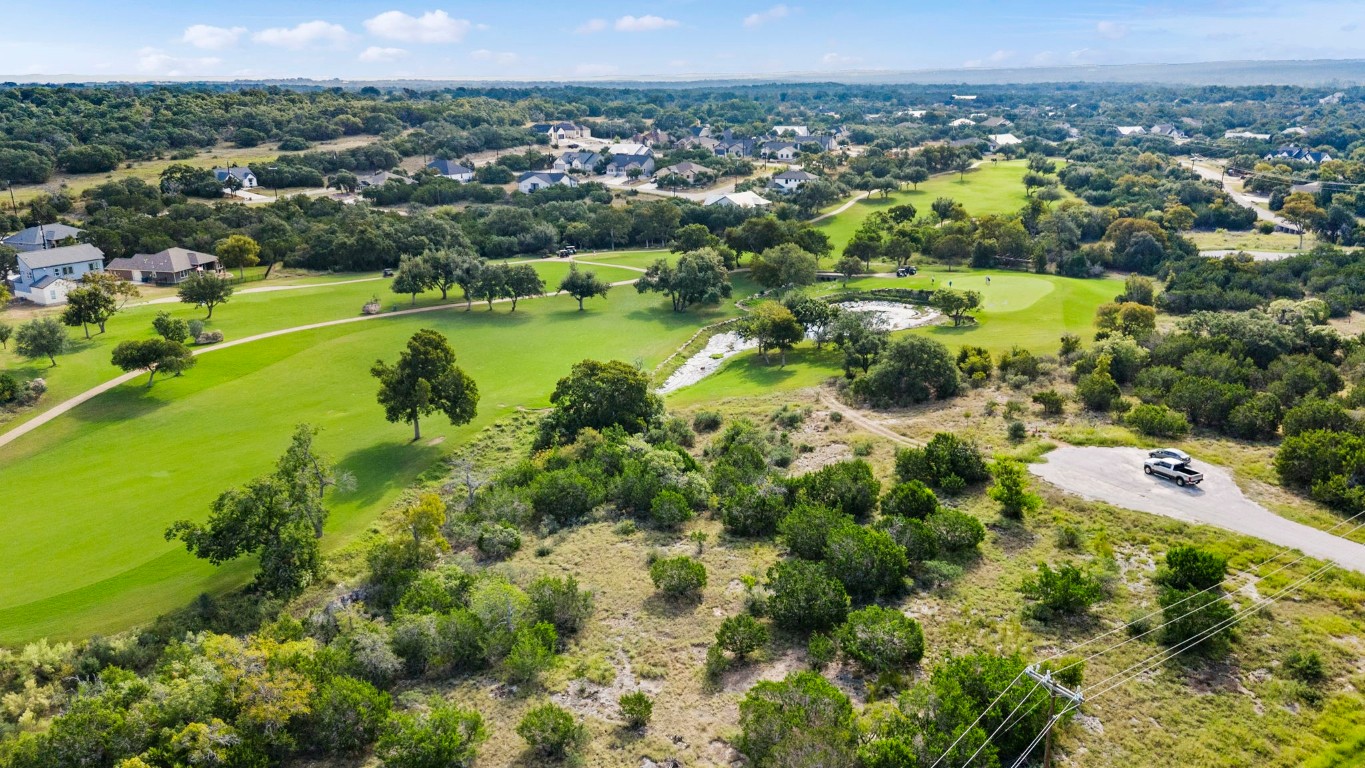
x: 1114, y: 475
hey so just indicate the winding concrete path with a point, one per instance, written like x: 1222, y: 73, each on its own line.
x: 1115, y: 476
x: 72, y: 402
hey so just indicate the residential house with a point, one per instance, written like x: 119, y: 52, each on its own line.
x: 1130, y: 130
x: 826, y: 143
x: 798, y: 131
x: 653, y: 138
x: 1332, y: 99
x: 996, y: 122
x: 790, y: 181
x: 738, y: 200
x: 451, y: 170
x: 1295, y: 131
x: 700, y: 142
x: 583, y: 161
x: 686, y: 170
x: 45, y: 276
x: 999, y: 140
x: 624, y: 157
x: 912, y: 113
x: 1246, y: 135
x: 735, y: 148
x: 779, y: 150
x: 380, y: 178
x: 1167, y: 130
x: 531, y: 181
x: 1299, y: 154
x: 169, y: 267
x: 961, y: 121
x: 964, y: 97
x: 1312, y: 188
x: 562, y: 130
x: 41, y: 237
x: 243, y: 175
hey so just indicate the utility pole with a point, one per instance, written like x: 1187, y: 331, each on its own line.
x: 1054, y: 690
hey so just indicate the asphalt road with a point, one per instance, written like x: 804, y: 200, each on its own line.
x: 1243, y: 199
x: 1114, y: 475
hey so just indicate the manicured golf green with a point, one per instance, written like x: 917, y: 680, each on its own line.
x: 637, y: 259
x: 1031, y: 311
x: 994, y: 188
x: 84, y: 552
x: 245, y: 314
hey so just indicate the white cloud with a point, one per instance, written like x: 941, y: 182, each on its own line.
x: 995, y: 59
x: 648, y: 23
x: 591, y: 25
x: 307, y: 34
x: 376, y: 53
x: 212, y: 38
x: 838, y: 59
x: 502, y: 58
x: 774, y: 13
x: 1112, y: 30
x: 154, y: 61
x: 430, y: 27
x: 594, y: 70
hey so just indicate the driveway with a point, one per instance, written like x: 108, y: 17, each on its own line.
x: 1243, y: 199
x: 1114, y: 476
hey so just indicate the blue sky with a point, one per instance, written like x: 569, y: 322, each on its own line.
x: 590, y: 39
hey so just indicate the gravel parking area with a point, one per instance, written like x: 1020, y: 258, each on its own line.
x: 1114, y: 476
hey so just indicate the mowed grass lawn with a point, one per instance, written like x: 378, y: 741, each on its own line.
x: 85, y: 553
x: 245, y: 314
x: 1031, y: 311
x: 993, y: 188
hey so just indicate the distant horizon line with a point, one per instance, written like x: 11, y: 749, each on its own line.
x: 855, y: 75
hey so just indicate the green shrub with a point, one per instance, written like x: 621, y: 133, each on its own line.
x: 868, y: 562
x: 881, y: 639
x: 532, y: 652
x: 497, y: 541
x: 560, y: 602
x: 1066, y: 590
x: 804, y: 597
x: 973, y: 360
x: 911, y: 499
x: 803, y: 716
x: 707, y: 421
x: 956, y: 531
x: 848, y: 486
x: 1017, y: 431
x: 753, y: 510
x: 1306, y: 667
x: 1052, y: 402
x: 820, y: 650
x: 9, y: 388
x: 1020, y: 362
x: 1191, y: 614
x: 636, y: 709
x: 1070, y: 537
x: 914, y: 536
x: 1097, y: 390
x: 678, y: 576
x: 1189, y: 567
x: 347, y: 715
x: 443, y: 735
x: 1011, y: 490
x: 806, y: 529
x: 945, y: 456
x: 741, y: 635
x: 565, y: 497
x: 1157, y: 421
x: 551, y: 731
x: 669, y: 509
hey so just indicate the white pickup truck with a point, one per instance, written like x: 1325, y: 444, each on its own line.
x: 1173, y: 469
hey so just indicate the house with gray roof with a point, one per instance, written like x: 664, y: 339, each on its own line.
x: 686, y: 170
x: 562, y: 130
x: 583, y: 161
x: 624, y: 157
x: 41, y: 237
x: 790, y: 181
x: 779, y: 150
x: 380, y: 178
x: 531, y: 181
x: 451, y: 170
x: 169, y: 267
x: 45, y: 276
x: 244, y: 176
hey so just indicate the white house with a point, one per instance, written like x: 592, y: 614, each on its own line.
x: 563, y: 130
x: 1005, y: 140
x: 738, y: 200
x: 790, y: 181
x: 961, y: 121
x: 45, y: 276
x: 1295, y: 131
x: 452, y: 170
x: 1246, y: 135
x: 531, y: 181
x: 1130, y: 130
x: 41, y: 237
x: 242, y: 175
x: 627, y: 156
x: 778, y: 150
x: 798, y: 131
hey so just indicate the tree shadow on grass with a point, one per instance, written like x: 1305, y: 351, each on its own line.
x: 1012, y: 536
x: 382, y: 467
x: 128, y: 401
x: 672, y: 607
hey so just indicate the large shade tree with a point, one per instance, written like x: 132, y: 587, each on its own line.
x: 425, y: 380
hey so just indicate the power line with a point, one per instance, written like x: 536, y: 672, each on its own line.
x: 1002, y: 722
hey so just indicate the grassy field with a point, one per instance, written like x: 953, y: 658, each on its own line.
x: 1250, y: 240
x: 637, y: 259
x: 992, y: 188
x: 246, y: 314
x: 150, y: 170
x: 1031, y: 311
x: 118, y: 469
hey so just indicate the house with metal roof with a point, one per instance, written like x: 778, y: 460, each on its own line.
x: 451, y: 170
x: 169, y: 267
x: 41, y: 237
x: 45, y: 276
x: 790, y: 181
x: 531, y: 181
x: 244, y: 176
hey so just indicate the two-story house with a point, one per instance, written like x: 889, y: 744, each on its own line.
x: 46, y: 276
x: 41, y: 237
x: 244, y: 176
